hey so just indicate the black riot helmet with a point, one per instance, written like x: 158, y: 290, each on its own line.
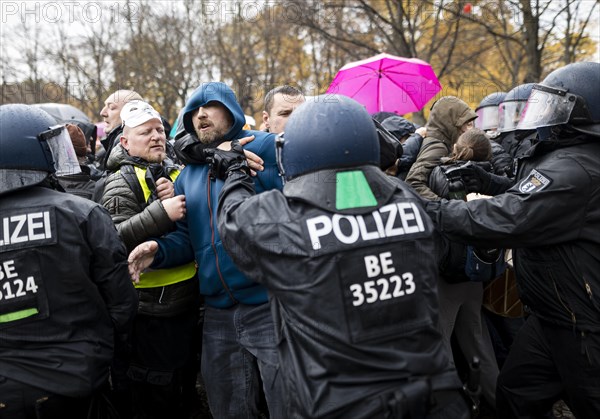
x: 567, y: 96
x: 32, y: 147
x: 511, y: 108
x: 328, y: 132
x: 487, y: 111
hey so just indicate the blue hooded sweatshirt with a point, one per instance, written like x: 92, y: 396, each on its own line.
x: 197, y: 237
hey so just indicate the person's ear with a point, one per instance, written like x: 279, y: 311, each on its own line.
x: 266, y: 119
x: 124, y: 142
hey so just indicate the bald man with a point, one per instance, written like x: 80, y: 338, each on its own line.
x: 110, y: 114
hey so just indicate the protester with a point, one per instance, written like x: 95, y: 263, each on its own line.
x: 355, y: 310
x: 551, y: 220
x: 139, y: 195
x: 239, y: 343
x: 280, y: 102
x: 56, y: 318
x: 111, y: 115
x: 460, y: 298
x: 449, y: 118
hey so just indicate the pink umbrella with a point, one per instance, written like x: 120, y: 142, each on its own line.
x: 387, y: 83
x: 100, y: 126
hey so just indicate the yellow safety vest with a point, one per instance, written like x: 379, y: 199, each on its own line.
x: 162, y: 277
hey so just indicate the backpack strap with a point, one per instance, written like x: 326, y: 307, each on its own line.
x: 129, y: 175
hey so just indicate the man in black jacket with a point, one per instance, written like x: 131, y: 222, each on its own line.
x: 551, y: 220
x: 64, y: 285
x: 344, y: 252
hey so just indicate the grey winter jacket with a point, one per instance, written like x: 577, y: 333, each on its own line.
x: 136, y: 222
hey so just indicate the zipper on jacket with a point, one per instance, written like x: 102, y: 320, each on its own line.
x: 573, y: 318
x: 590, y: 294
x: 212, y: 240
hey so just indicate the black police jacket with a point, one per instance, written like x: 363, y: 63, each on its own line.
x: 352, y: 291
x: 551, y: 218
x: 64, y: 287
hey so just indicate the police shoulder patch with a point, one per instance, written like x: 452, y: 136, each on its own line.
x: 534, y: 182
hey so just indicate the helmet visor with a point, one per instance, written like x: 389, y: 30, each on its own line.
x: 63, y: 153
x: 509, y: 114
x: 546, y: 107
x: 487, y: 118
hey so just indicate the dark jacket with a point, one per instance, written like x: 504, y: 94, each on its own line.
x: 196, y: 237
x: 443, y: 129
x: 351, y: 339
x: 502, y: 162
x: 135, y: 221
x: 71, y: 268
x: 551, y: 219
x: 516, y: 144
x: 410, y: 151
x: 81, y: 184
x: 111, y: 140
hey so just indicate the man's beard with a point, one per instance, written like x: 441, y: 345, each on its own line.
x: 215, y: 136
x: 157, y: 158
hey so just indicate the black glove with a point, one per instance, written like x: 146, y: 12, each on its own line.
x: 478, y: 180
x: 224, y: 162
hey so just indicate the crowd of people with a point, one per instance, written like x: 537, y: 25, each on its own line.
x: 330, y: 265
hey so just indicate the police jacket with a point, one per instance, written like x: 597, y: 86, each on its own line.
x: 64, y: 287
x: 352, y: 290
x: 551, y: 219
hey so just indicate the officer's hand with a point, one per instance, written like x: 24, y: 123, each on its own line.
x: 475, y: 178
x: 164, y: 189
x: 140, y: 258
x: 255, y: 162
x: 175, y: 207
x: 223, y: 162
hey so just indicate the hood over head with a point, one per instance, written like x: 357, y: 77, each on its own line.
x: 448, y: 114
x: 214, y: 92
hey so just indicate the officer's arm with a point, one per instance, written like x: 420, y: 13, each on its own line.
x: 233, y: 218
x: 109, y: 269
x: 543, y: 208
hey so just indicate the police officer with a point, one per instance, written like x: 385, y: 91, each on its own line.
x: 345, y: 253
x: 551, y: 219
x: 487, y: 120
x: 516, y: 142
x: 64, y: 285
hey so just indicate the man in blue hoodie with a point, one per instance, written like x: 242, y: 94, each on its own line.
x: 238, y: 345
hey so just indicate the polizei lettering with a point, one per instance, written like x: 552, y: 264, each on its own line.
x: 390, y: 220
x: 22, y: 228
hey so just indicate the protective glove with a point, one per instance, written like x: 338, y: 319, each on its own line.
x: 478, y: 180
x: 223, y: 162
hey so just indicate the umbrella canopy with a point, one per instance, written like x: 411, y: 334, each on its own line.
x: 387, y: 83
x: 100, y: 126
x: 64, y: 113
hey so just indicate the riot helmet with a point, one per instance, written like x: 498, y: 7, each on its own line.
x: 487, y: 111
x: 511, y: 108
x: 32, y: 147
x: 333, y: 131
x: 567, y: 96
